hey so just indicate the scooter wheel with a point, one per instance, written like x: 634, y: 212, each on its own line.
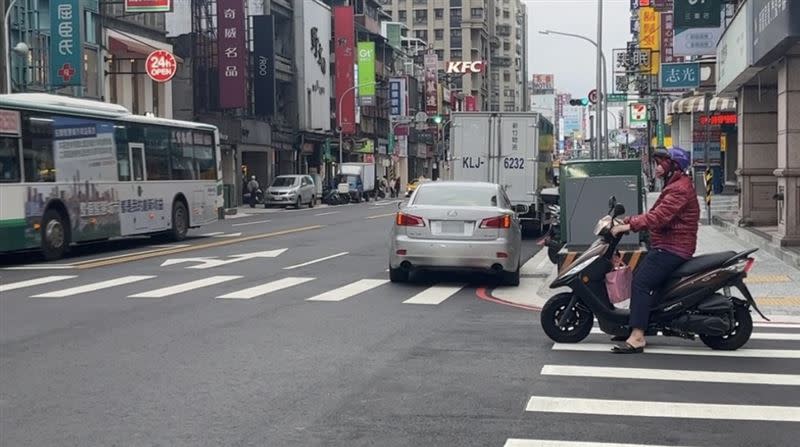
x: 737, y: 337
x: 578, y: 327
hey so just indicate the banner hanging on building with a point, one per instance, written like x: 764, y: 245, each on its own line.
x: 231, y: 54
x: 667, y: 34
x: 431, y: 92
x: 398, y: 97
x: 264, y: 60
x: 138, y: 6
x: 366, y: 73
x: 344, y: 41
x: 66, y: 54
x: 697, y: 13
x: 315, y: 95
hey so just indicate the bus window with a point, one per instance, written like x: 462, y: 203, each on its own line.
x: 137, y: 157
x: 123, y: 156
x: 37, y: 143
x: 182, y: 155
x: 156, y: 149
x: 204, y: 155
x: 9, y: 160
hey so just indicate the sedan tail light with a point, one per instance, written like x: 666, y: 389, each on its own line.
x: 497, y: 222
x: 407, y: 220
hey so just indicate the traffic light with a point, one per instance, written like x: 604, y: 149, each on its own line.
x: 437, y: 119
x: 579, y: 102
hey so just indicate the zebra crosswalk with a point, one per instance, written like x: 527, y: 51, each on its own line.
x: 141, y: 286
x: 770, y: 360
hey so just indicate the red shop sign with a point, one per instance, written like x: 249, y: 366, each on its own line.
x: 718, y: 120
x: 161, y: 65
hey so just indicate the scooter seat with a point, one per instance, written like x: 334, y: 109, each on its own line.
x: 702, y: 263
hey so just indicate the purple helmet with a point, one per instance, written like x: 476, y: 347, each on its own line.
x: 681, y: 157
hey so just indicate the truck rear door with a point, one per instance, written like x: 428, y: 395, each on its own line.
x: 518, y: 141
x: 471, y: 145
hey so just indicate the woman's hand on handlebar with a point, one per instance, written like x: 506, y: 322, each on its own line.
x: 616, y: 230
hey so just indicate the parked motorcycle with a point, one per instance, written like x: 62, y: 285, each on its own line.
x: 696, y: 300
x: 259, y: 198
x: 332, y: 197
x: 552, y: 239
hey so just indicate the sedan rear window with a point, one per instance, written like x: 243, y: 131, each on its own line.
x: 456, y: 195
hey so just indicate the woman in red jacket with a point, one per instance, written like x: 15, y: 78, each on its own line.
x: 672, y: 223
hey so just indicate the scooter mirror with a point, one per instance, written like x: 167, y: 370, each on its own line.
x: 612, y: 201
x: 619, y: 210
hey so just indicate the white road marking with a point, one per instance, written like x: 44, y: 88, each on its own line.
x: 328, y: 214
x: 512, y: 442
x: 250, y: 223
x: 685, y: 410
x: 185, y: 287
x: 41, y: 267
x: 263, y: 289
x: 676, y: 375
x: 94, y: 286
x: 349, y: 290
x: 434, y: 295
x: 743, y: 352
x: 228, y: 235
x: 753, y: 336
x: 216, y: 233
x: 292, y: 267
x: 34, y: 282
x: 778, y: 325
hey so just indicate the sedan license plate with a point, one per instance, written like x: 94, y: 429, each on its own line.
x: 452, y: 227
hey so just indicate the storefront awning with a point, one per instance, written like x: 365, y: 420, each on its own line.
x: 695, y: 104
x: 123, y: 45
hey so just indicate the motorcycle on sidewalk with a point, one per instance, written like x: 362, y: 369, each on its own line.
x: 259, y: 198
x: 695, y: 301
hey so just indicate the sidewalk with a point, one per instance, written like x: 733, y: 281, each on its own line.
x: 774, y: 283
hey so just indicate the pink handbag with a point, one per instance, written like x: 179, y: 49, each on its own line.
x: 618, y: 281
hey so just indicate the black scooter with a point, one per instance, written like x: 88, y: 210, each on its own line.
x: 696, y: 300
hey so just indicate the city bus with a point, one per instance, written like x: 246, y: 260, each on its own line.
x: 75, y: 170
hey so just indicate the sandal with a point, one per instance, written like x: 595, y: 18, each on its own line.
x: 627, y: 348
x: 619, y: 338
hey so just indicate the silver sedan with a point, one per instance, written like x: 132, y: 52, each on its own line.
x: 457, y: 226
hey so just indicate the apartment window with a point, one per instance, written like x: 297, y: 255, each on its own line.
x: 455, y: 3
x: 507, y: 76
x: 401, y: 16
x: 420, y: 16
x: 439, y: 13
x: 506, y: 14
x: 455, y: 38
x: 421, y: 34
x: 457, y: 83
x: 455, y: 18
x: 420, y: 2
x: 440, y: 55
x: 476, y: 13
x: 455, y: 55
x: 495, y: 78
x: 507, y: 46
x: 438, y: 34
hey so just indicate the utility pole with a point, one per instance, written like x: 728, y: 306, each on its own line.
x: 600, y: 93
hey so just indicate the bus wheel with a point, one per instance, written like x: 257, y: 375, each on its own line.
x: 55, y: 239
x: 180, y: 221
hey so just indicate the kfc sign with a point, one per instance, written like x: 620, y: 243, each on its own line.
x: 465, y: 66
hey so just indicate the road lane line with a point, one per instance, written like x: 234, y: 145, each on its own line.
x: 328, y: 214
x: 263, y: 289
x: 516, y: 442
x: 635, y: 408
x: 219, y: 243
x: 34, y: 282
x: 125, y: 255
x: 229, y: 235
x: 185, y: 287
x: 250, y: 223
x: 292, y: 267
x: 743, y: 352
x: 216, y: 233
x: 378, y: 216
x: 675, y: 375
x: 349, y: 290
x: 434, y: 295
x: 94, y: 286
x: 41, y: 267
x: 754, y: 336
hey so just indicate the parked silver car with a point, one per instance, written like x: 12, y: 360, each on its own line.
x: 291, y: 190
x: 457, y: 226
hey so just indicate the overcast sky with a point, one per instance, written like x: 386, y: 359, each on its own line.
x: 571, y: 60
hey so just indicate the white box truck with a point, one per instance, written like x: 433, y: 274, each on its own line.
x: 357, y: 179
x: 502, y: 148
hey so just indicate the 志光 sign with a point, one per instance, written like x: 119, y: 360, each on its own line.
x: 680, y: 76
x: 366, y: 69
x: 148, y: 5
x: 66, y: 54
x: 697, y: 13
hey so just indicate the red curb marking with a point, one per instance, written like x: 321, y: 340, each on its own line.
x: 486, y: 295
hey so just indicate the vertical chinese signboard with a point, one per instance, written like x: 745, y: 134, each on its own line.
x: 344, y: 37
x: 366, y: 73
x: 264, y: 60
x: 649, y: 36
x: 231, y: 54
x: 66, y: 55
x: 431, y: 68
x: 667, y: 34
x: 398, y: 97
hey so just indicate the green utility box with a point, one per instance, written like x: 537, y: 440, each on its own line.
x: 584, y: 192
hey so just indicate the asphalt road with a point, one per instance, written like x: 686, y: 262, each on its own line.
x: 129, y: 343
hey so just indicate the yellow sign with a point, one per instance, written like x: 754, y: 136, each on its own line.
x: 723, y: 143
x: 650, y: 36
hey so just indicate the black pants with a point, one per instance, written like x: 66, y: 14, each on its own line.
x: 654, y: 271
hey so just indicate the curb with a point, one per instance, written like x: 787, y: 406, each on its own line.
x: 762, y: 241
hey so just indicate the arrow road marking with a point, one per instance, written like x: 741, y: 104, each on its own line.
x: 211, y: 262
x: 292, y: 267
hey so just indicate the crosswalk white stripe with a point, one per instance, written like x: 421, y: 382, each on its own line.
x: 753, y: 336
x: 185, y: 287
x: 263, y: 289
x: 94, y: 286
x: 349, y: 290
x: 34, y: 282
x: 515, y: 442
x: 434, y: 295
x: 744, y: 352
x: 676, y: 375
x: 778, y: 325
x: 685, y: 410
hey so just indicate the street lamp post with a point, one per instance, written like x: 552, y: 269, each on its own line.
x: 602, y: 87
x: 339, y: 113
